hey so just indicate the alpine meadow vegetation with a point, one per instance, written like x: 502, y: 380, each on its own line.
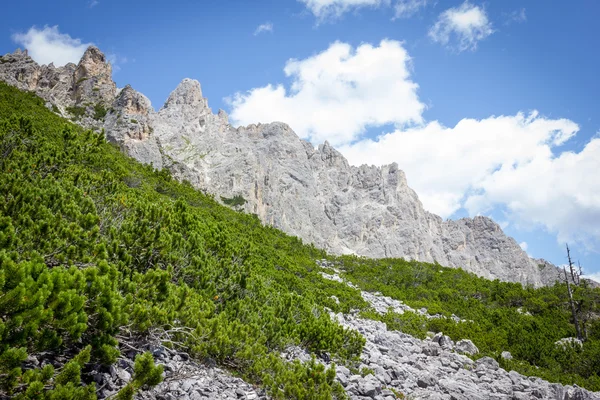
x: 99, y: 252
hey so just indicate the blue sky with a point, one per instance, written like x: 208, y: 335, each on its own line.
x: 447, y: 89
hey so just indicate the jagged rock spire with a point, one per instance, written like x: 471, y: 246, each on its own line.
x: 188, y: 92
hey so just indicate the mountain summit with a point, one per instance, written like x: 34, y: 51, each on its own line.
x: 311, y: 193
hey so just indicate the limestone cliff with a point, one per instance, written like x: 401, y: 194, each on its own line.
x: 305, y: 191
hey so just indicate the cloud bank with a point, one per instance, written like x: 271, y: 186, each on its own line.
x: 336, y: 94
x: 513, y: 162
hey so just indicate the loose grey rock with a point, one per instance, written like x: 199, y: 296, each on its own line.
x: 422, y: 369
x: 465, y: 346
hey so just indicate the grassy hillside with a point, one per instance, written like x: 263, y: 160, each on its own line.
x: 98, y: 252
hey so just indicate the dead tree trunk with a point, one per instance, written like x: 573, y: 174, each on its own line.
x: 570, y: 291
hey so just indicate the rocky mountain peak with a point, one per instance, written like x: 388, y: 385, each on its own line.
x: 331, y: 156
x: 93, y: 60
x: 93, y: 79
x: 133, y: 102
x: 188, y: 92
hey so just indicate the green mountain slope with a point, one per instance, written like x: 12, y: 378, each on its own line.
x: 99, y: 252
x: 94, y: 245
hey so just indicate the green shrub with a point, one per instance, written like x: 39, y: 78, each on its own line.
x: 235, y: 201
x: 99, y: 111
x: 76, y: 111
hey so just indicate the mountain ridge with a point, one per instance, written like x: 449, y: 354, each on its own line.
x: 314, y: 194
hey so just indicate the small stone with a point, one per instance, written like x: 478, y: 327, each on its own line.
x: 251, y: 395
x: 488, y: 362
x: 123, y: 375
x: 195, y: 396
x: 466, y: 346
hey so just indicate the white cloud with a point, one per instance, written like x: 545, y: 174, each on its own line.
x: 507, y: 162
x: 323, y: 9
x: 461, y: 28
x: 448, y: 166
x: 560, y: 192
x: 524, y: 245
x: 266, y: 27
x: 408, y: 8
x: 93, y: 3
x: 336, y: 94
x: 48, y: 45
x: 512, y: 163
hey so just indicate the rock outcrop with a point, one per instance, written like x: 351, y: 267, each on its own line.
x: 309, y: 192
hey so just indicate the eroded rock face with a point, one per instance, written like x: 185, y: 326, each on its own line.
x: 309, y: 192
x: 50, y: 83
x: 93, y: 79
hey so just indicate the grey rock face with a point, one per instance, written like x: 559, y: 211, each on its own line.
x: 316, y: 195
x: 93, y: 79
x: 309, y: 192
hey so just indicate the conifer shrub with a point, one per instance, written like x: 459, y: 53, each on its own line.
x: 76, y: 112
x: 99, y: 111
x: 235, y: 201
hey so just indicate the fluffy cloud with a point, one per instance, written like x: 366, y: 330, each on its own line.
x: 461, y: 28
x: 266, y: 27
x: 449, y: 166
x: 513, y: 163
x: 323, y: 9
x: 48, y: 45
x: 335, y: 95
x: 560, y: 192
